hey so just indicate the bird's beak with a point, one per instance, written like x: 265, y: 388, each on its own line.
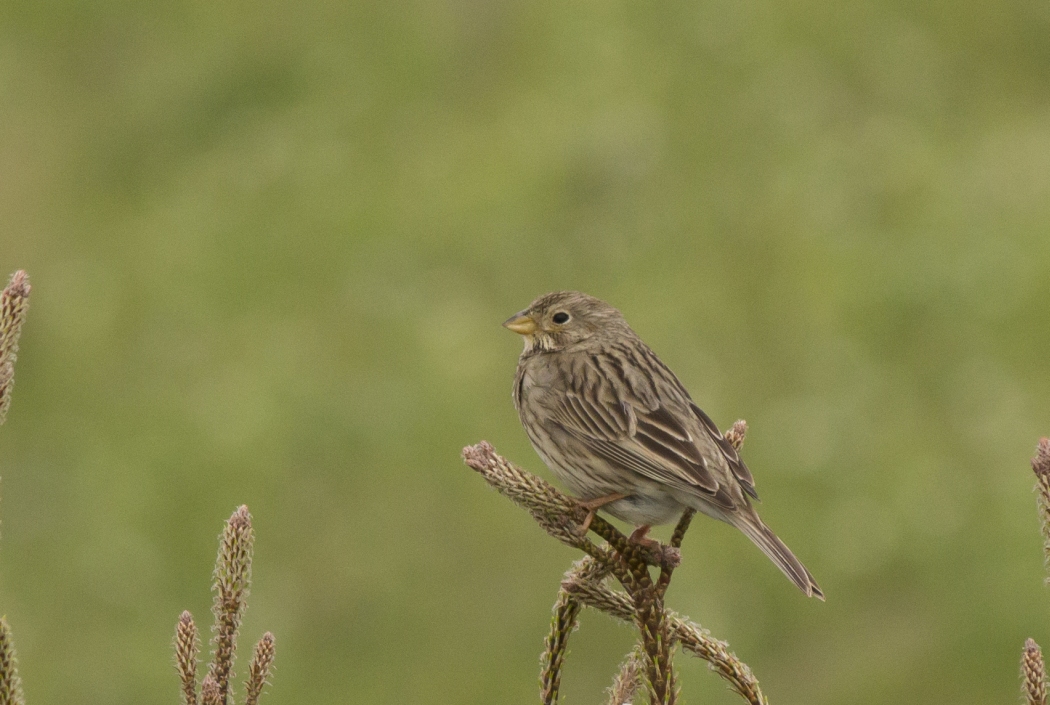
x: 521, y: 323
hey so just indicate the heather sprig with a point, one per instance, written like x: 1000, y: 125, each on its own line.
x: 10, y: 684
x: 627, y: 681
x: 231, y: 584
x: 187, y: 651
x: 690, y: 636
x: 563, y: 623
x: 14, y: 303
x: 1041, y: 468
x: 1033, y: 674
x: 1033, y: 670
x: 233, y: 576
x: 641, y: 602
x: 259, y: 669
x: 210, y: 694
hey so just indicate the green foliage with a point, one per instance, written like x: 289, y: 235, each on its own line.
x: 272, y: 244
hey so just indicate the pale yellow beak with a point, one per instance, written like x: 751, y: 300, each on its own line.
x: 521, y: 323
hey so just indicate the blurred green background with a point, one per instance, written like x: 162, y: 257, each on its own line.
x: 271, y: 245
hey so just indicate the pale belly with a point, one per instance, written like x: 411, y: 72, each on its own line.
x: 647, y: 503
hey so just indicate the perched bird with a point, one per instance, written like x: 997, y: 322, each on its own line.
x: 616, y: 426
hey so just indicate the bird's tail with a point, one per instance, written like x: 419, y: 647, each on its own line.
x: 780, y: 554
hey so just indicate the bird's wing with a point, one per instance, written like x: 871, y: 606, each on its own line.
x: 653, y: 442
x: 736, y: 463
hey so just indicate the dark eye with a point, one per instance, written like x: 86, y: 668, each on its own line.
x: 560, y: 317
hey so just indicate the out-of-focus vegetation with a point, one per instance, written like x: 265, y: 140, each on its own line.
x: 271, y: 245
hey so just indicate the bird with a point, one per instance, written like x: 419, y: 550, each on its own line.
x: 615, y: 425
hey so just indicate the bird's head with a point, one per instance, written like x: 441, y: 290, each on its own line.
x: 562, y: 319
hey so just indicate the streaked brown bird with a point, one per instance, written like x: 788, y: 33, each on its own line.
x: 619, y: 429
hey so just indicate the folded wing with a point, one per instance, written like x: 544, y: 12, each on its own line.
x: 678, y: 447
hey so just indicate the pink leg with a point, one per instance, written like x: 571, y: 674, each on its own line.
x: 593, y: 505
x: 639, y: 533
x: 638, y: 536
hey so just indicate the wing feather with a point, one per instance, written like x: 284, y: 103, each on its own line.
x: 662, y: 436
x: 650, y: 442
x: 736, y: 463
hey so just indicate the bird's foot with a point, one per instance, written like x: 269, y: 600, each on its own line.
x: 657, y: 553
x: 593, y: 505
x: 639, y: 538
x: 586, y: 525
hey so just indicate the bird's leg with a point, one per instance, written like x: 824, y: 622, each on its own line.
x: 639, y: 533
x: 638, y: 536
x: 593, y: 505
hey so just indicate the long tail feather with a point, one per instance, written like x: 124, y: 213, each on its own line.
x: 780, y: 554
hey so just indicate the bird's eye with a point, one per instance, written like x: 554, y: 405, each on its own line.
x: 560, y: 317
